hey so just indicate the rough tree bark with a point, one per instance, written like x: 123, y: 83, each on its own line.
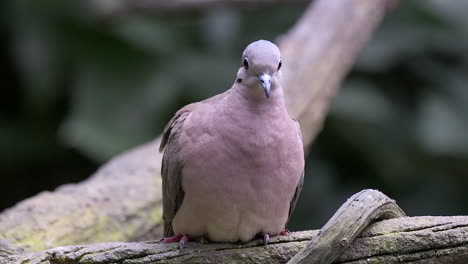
x: 347, y: 223
x: 419, y: 240
x: 122, y: 200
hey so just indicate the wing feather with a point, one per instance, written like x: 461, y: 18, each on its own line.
x: 301, y: 179
x: 171, y: 169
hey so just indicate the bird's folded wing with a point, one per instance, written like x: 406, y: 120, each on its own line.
x: 301, y: 179
x: 171, y: 169
x: 172, y: 163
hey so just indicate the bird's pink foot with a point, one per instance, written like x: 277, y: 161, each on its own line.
x: 182, y: 239
x: 284, y: 232
x: 172, y: 239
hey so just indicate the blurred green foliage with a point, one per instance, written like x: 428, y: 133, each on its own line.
x: 79, y: 88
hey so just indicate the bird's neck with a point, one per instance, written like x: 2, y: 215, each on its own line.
x: 253, y: 99
x: 256, y: 94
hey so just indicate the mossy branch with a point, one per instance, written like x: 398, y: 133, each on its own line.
x: 421, y: 240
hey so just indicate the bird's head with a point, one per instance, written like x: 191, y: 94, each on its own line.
x: 261, y: 64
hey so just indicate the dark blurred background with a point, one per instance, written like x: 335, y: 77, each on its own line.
x: 79, y: 87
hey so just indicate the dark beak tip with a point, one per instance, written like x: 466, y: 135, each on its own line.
x: 267, y: 93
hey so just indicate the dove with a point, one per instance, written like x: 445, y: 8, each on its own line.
x: 233, y: 164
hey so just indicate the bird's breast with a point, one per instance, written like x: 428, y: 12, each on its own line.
x: 257, y: 144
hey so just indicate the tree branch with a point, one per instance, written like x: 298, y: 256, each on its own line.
x: 122, y: 200
x: 320, y: 50
x: 421, y: 240
x: 167, y: 7
x: 347, y: 223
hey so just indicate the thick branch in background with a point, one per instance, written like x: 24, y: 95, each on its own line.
x: 122, y: 201
x: 112, y: 9
x: 332, y: 33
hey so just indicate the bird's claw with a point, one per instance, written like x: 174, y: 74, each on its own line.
x: 203, y: 240
x: 182, y: 241
x: 266, y: 239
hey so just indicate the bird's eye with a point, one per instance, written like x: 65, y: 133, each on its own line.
x: 246, y: 63
x: 279, y: 65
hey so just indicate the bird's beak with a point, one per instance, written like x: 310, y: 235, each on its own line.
x: 265, y: 80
